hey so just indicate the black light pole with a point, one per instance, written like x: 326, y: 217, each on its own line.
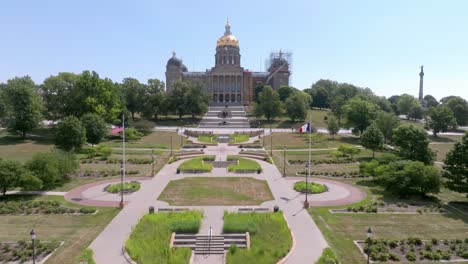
x: 33, y: 238
x: 171, y: 145
x: 284, y: 161
x: 152, y: 162
x: 369, y: 235
x: 271, y: 142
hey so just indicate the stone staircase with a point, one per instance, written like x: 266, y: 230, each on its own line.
x: 206, y: 245
x: 235, y: 117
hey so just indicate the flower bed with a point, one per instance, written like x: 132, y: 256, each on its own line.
x: 322, y: 161
x: 103, y: 173
x: 244, y: 165
x: 312, y: 187
x: 40, y: 207
x: 383, y: 207
x: 352, y: 174
x: 129, y: 187
x: 21, y: 251
x: 196, y: 165
x: 118, y: 161
x: 415, y: 249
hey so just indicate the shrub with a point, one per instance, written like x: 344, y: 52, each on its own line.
x: 328, y: 257
x: 394, y: 257
x: 411, y: 256
x: 232, y: 249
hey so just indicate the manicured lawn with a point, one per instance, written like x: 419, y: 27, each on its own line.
x: 149, y: 240
x: 156, y: 139
x: 341, y: 229
x: 441, y: 149
x: 128, y: 186
x: 244, y: 164
x: 316, y: 116
x: 207, y: 139
x: 196, y: 164
x: 216, y: 191
x: 269, y: 235
x: 238, y: 138
x: 77, y: 231
x: 311, y: 187
x: 15, y: 148
x: 301, y: 141
x: 173, y: 120
x: 328, y: 256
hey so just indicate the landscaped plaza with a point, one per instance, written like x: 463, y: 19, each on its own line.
x: 354, y: 153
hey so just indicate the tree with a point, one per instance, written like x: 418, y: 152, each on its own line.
x: 393, y: 103
x: 258, y: 89
x: 349, y: 150
x: 459, y: 107
x: 404, y: 104
x: 133, y: 92
x: 56, y: 93
x: 91, y: 94
x: 416, y: 111
x: 12, y: 175
x: 196, y: 99
x: 333, y: 126
x: 95, y: 127
x: 456, y: 166
x: 320, y: 97
x: 430, y: 101
x: 336, y: 106
x: 440, y: 119
x: 155, y: 100
x: 372, y: 138
x: 413, y: 144
x: 178, y: 100
x: 269, y: 103
x: 24, y: 106
x: 297, y: 106
x: 285, y: 91
x: 409, y: 178
x: 71, y: 134
x: 52, y: 168
x: 359, y: 114
x: 386, y: 123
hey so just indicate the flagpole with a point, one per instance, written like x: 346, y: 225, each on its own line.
x: 306, y: 203
x: 123, y: 163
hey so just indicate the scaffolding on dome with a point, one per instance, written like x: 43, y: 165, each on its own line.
x: 279, y: 58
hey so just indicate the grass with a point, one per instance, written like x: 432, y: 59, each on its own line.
x: 156, y: 140
x: 207, y: 139
x: 243, y: 164
x: 316, y: 116
x: 301, y: 141
x: 13, y: 147
x: 269, y: 234
x: 328, y: 257
x: 128, y: 186
x: 87, y: 256
x: 216, y: 191
x: 173, y: 120
x: 238, y: 138
x: 312, y: 187
x: 441, y: 149
x: 149, y: 240
x: 341, y: 229
x: 195, y: 164
x: 77, y: 231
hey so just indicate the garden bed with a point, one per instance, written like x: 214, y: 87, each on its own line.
x: 399, y: 208
x: 196, y: 165
x: 415, y: 250
x: 21, y: 251
x: 312, y: 187
x: 352, y: 174
x: 270, y: 237
x: 129, y: 187
x: 103, y: 173
x: 40, y: 207
x: 150, y: 239
x: 321, y: 161
x: 244, y: 165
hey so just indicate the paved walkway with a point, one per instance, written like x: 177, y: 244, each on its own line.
x: 37, y: 192
x: 309, y: 242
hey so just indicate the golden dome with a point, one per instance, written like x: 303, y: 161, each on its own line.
x: 227, y: 39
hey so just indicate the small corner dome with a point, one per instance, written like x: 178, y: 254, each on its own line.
x: 174, y: 61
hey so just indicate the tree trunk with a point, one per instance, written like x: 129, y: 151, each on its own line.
x: 373, y: 153
x: 133, y: 115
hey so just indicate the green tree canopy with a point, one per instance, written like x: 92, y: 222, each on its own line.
x: 386, y: 123
x: 410, y: 178
x: 23, y: 105
x: 95, y: 127
x: 285, y: 91
x: 297, y: 105
x: 56, y: 93
x: 456, y: 166
x: 133, y: 92
x: 413, y: 144
x: 404, y: 104
x: 13, y: 175
x: 459, y: 107
x: 52, y: 168
x: 269, y: 103
x: 372, y: 138
x: 359, y: 114
x: 197, y: 100
x: 71, y: 134
x: 430, y: 101
x: 155, y: 100
x: 440, y: 119
x: 333, y: 126
x: 416, y: 111
x: 178, y: 98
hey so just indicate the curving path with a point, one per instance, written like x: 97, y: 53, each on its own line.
x: 308, y: 240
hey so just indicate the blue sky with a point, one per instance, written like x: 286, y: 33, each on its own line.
x: 375, y: 44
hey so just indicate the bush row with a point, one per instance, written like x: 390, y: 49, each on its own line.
x: 322, y: 161
x: 22, y: 251
x: 40, y: 207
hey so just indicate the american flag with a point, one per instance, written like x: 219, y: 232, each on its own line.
x: 117, y: 130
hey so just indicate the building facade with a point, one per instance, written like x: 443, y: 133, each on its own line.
x: 228, y: 82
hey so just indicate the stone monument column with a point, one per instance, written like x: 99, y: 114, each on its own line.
x: 421, y: 88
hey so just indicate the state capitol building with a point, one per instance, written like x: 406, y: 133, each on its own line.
x: 227, y: 82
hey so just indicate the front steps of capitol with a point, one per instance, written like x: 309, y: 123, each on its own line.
x: 234, y: 117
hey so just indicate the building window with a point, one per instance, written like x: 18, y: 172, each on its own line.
x: 238, y: 98
x: 227, y: 98
x: 233, y: 97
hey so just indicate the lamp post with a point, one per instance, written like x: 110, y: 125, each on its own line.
x: 33, y: 238
x: 306, y: 202
x: 284, y: 161
x: 171, y: 145
x: 369, y: 235
x: 271, y: 142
